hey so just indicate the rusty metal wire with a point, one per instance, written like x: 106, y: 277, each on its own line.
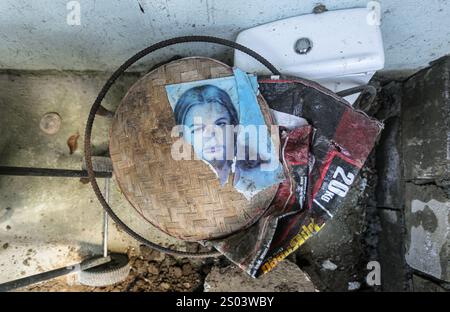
x: 95, y: 107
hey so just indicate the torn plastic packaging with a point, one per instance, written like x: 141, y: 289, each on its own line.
x: 322, y: 161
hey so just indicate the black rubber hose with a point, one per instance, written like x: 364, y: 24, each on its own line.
x: 350, y: 91
x: 97, y: 103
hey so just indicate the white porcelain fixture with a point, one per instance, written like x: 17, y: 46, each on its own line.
x: 338, y: 49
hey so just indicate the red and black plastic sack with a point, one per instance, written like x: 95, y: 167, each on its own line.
x: 322, y: 159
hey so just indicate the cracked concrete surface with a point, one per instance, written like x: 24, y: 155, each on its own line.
x: 47, y: 223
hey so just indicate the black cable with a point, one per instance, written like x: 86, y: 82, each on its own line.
x: 97, y: 103
x: 49, y: 172
x: 364, y: 88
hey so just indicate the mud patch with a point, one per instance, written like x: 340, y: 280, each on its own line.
x: 150, y: 271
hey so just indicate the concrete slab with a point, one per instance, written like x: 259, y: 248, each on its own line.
x: 46, y: 223
x: 427, y: 217
x: 421, y: 284
x: 426, y: 124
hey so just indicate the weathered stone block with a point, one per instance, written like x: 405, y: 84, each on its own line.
x: 427, y: 216
x: 286, y: 277
x: 426, y: 123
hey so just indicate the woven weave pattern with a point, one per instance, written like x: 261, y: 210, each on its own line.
x: 181, y: 197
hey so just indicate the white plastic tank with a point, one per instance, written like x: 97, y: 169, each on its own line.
x: 338, y: 49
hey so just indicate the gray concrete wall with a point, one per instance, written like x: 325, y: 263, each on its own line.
x: 35, y: 35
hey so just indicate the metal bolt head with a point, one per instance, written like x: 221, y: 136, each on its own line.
x: 320, y: 8
x: 303, y: 45
x: 50, y: 123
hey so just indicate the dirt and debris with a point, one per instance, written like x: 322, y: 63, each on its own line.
x: 286, y: 277
x: 150, y: 271
x: 154, y: 271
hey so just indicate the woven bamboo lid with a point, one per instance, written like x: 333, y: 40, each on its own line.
x: 181, y: 197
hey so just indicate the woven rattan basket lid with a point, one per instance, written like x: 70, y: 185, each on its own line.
x: 182, y: 198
